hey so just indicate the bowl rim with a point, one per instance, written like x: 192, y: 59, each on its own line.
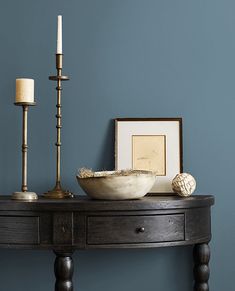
x: 116, y: 174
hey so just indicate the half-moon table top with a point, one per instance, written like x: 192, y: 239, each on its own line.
x: 84, y: 203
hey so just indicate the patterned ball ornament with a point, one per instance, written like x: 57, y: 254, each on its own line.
x: 184, y: 184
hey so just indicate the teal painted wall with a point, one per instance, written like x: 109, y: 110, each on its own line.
x: 126, y: 58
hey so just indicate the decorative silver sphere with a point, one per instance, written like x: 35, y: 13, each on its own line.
x: 184, y: 184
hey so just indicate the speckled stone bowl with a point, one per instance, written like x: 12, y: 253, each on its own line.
x: 109, y: 186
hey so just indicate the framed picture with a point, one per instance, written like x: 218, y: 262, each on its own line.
x: 153, y: 144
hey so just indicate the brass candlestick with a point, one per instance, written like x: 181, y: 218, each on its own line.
x: 24, y: 194
x: 57, y: 192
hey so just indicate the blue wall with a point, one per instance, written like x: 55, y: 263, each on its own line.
x: 126, y: 58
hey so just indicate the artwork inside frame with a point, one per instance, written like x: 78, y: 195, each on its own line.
x: 149, y: 153
x: 150, y: 144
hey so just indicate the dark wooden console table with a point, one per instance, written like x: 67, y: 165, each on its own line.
x: 81, y: 223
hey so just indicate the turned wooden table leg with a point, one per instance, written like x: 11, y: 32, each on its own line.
x: 201, y: 255
x: 63, y: 269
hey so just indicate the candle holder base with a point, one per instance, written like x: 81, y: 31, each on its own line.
x: 29, y: 196
x: 58, y: 193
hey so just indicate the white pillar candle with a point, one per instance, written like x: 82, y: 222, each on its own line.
x: 24, y: 90
x: 59, y: 35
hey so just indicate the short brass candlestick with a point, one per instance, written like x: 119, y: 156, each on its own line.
x: 24, y: 194
x: 57, y: 192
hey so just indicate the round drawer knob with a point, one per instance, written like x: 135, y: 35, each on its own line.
x: 140, y: 229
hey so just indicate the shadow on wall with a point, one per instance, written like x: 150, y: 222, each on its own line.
x: 106, y: 157
x: 10, y: 128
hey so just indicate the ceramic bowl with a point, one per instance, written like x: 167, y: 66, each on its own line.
x: 110, y: 185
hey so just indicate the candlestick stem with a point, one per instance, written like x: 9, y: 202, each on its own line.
x: 58, y: 126
x: 24, y: 187
x: 58, y: 192
x: 24, y: 194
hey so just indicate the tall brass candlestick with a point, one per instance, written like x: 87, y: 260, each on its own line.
x: 57, y: 192
x: 24, y: 194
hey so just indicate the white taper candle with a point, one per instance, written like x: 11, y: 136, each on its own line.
x: 59, y: 35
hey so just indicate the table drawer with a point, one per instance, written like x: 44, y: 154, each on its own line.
x: 19, y: 230
x: 134, y: 229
